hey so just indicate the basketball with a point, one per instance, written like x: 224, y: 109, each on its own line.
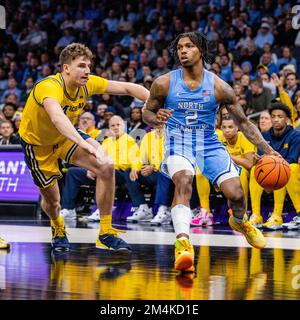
x: 272, y: 172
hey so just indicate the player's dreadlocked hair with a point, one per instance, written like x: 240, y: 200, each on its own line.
x: 199, y: 39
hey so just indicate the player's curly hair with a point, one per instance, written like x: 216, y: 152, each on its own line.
x: 199, y: 39
x: 73, y: 51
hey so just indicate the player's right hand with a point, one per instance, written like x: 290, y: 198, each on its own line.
x: 163, y: 116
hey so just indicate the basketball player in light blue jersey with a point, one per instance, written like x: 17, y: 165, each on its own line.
x: 191, y: 96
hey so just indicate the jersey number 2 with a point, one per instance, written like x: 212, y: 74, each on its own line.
x: 191, y: 117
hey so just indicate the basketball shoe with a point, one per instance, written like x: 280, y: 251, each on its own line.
x: 256, y: 220
x: 203, y: 218
x: 111, y: 241
x: 163, y: 216
x: 184, y: 255
x: 273, y: 223
x: 294, y: 224
x: 60, y: 241
x: 252, y: 234
x: 4, y: 244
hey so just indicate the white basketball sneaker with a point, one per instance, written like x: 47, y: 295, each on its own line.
x: 68, y: 214
x: 143, y: 213
x: 95, y: 216
x: 163, y: 216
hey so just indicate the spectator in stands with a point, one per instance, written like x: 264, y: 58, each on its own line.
x: 108, y: 114
x: 12, y: 89
x: 267, y: 48
x: 285, y: 34
x: 285, y: 140
x: 161, y: 67
x: 151, y: 154
x: 267, y: 83
x: 7, y: 133
x: 264, y: 35
x: 136, y: 127
x: 259, y: 98
x: 292, y: 85
x: 226, y: 71
x: 266, y: 60
x: 16, y: 120
x: 29, y: 83
x: 264, y: 122
x: 100, y: 115
x: 9, y: 110
x: 287, y: 58
x: 87, y: 124
x: 241, y: 150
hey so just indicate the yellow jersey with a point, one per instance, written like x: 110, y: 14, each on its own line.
x: 241, y: 147
x: 124, y: 151
x: 36, y: 126
x: 93, y: 132
x: 152, y: 149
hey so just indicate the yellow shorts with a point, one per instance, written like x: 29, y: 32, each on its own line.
x: 43, y: 161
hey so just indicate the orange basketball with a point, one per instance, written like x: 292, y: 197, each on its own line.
x: 272, y: 172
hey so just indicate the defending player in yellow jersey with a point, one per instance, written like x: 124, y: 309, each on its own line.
x: 48, y: 134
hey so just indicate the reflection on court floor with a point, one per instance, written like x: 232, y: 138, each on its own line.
x: 231, y: 271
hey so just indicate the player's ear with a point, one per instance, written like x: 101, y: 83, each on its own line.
x: 66, y: 68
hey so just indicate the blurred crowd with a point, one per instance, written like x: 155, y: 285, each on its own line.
x: 253, y: 45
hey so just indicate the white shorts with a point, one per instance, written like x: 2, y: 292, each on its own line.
x: 176, y: 163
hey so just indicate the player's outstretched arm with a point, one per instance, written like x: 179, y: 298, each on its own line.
x: 64, y: 125
x: 127, y: 88
x: 152, y: 114
x: 225, y: 94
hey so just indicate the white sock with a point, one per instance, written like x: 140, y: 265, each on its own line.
x: 181, y: 217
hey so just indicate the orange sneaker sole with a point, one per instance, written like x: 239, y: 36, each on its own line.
x: 185, y: 262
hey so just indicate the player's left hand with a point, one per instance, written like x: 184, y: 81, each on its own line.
x: 133, y: 175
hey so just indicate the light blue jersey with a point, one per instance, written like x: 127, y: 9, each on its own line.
x: 190, y: 131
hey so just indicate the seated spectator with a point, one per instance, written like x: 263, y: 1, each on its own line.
x: 136, y: 126
x: 87, y: 124
x: 16, y: 120
x: 100, y: 115
x: 151, y: 154
x: 264, y: 122
x: 292, y: 85
x: 108, y: 114
x: 7, y: 133
x: 285, y: 140
x: 264, y: 35
x: 287, y: 58
x: 267, y: 48
x: 266, y: 60
x: 9, y: 110
x: 285, y: 99
x: 29, y: 83
x: 161, y: 67
x: 259, y: 98
x: 3, y: 81
x: 226, y: 71
x: 240, y: 149
x: 267, y: 83
x: 12, y: 89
